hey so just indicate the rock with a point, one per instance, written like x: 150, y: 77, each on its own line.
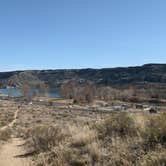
x: 152, y: 110
x: 139, y: 106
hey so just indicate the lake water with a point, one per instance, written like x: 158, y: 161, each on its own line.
x: 53, y: 93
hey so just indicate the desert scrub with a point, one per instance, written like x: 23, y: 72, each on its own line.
x: 154, y: 158
x: 82, y: 136
x: 84, y: 147
x: 115, y: 141
x: 155, y: 131
x: 5, y: 117
x: 5, y: 134
x: 119, y: 124
x: 75, y: 146
x: 43, y: 138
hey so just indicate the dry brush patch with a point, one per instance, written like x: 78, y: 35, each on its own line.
x: 6, y: 113
x: 116, y: 139
x: 43, y: 137
x: 119, y: 124
x: 5, y: 134
x: 65, y: 145
x: 154, y: 158
x: 154, y: 133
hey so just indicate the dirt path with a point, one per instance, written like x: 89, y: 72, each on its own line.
x: 13, y: 122
x: 11, y: 153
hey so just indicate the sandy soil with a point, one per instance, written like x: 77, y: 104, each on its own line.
x: 10, y: 152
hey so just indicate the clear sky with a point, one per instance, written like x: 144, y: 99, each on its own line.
x: 51, y: 34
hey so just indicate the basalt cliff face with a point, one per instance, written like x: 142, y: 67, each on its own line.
x: 149, y: 74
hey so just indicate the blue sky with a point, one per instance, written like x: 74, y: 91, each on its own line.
x: 51, y: 34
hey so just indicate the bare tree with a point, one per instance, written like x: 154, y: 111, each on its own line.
x: 79, y: 92
x: 26, y: 92
x: 43, y: 89
x: 68, y: 90
x: 108, y: 93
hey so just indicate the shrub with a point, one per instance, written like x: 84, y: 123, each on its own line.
x: 156, y: 158
x: 155, y: 131
x: 45, y: 137
x: 80, y: 148
x: 5, y: 134
x: 120, y: 124
x: 82, y: 137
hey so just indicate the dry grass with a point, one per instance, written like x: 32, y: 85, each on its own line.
x: 120, y: 124
x: 155, y: 131
x: 72, y: 145
x: 5, y: 118
x: 154, y: 158
x: 43, y: 138
x: 82, y: 136
x: 6, y: 115
x: 5, y: 134
x: 121, y: 143
x: 62, y: 137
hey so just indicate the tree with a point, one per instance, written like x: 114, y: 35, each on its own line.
x: 80, y: 92
x: 108, y: 93
x: 30, y: 91
x: 67, y: 89
x: 26, y: 92
x: 43, y: 89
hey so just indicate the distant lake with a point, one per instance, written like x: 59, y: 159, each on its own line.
x: 53, y: 93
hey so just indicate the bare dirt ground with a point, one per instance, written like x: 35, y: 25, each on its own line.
x: 10, y: 154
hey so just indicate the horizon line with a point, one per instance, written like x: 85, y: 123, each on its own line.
x: 82, y: 68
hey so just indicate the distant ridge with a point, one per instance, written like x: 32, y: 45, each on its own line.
x: 120, y: 76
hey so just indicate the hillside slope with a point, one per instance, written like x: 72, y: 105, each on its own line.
x: 123, y: 76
